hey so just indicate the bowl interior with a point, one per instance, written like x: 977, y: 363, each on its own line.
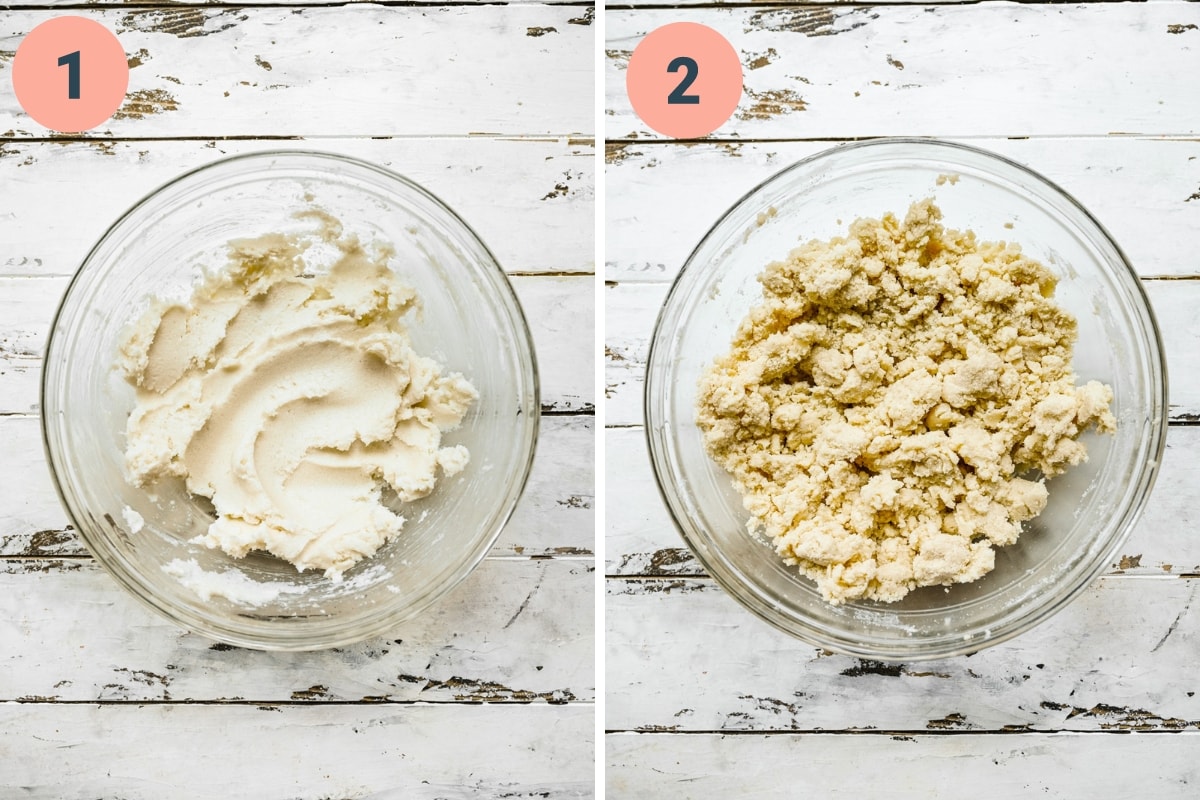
x: 470, y: 323
x: 1090, y: 508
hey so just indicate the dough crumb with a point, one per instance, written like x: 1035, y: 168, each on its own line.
x: 891, y: 409
x: 133, y: 519
x: 230, y: 584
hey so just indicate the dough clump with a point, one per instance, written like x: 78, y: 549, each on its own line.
x: 891, y: 409
x: 290, y: 396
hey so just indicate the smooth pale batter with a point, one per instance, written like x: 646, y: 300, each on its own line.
x: 291, y: 398
x: 887, y: 408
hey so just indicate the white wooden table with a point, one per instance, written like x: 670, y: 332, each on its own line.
x: 492, y: 693
x: 705, y: 701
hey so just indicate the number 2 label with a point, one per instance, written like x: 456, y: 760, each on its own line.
x: 684, y: 80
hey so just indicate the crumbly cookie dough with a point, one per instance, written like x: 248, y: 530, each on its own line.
x: 291, y: 396
x: 878, y: 409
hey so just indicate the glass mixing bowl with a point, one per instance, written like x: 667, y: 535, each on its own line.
x: 1091, y: 508
x: 471, y: 323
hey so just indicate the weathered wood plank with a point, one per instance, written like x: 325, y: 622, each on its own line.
x: 900, y: 767
x: 631, y: 311
x: 531, y: 201
x: 1118, y: 658
x: 1141, y: 190
x: 515, y: 630
x: 991, y: 69
x: 585, y: 10
x: 560, y: 311
x: 302, y: 72
x: 303, y: 753
x: 817, y: 26
x: 555, y: 515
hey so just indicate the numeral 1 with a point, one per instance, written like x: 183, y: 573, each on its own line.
x: 71, y: 62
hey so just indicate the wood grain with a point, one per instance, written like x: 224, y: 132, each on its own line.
x: 555, y: 516
x: 991, y: 69
x: 1061, y: 765
x: 361, y: 71
x: 515, y: 631
x: 641, y: 538
x: 631, y: 311
x: 1140, y: 189
x: 557, y: 308
x: 301, y: 753
x: 530, y: 200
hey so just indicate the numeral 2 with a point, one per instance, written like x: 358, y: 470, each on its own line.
x: 691, y: 70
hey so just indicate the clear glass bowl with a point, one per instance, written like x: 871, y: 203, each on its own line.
x: 471, y: 323
x: 1091, y: 508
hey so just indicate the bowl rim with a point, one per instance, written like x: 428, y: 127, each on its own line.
x: 379, y: 623
x: 1008, y: 625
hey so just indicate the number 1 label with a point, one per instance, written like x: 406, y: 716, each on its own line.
x: 70, y: 43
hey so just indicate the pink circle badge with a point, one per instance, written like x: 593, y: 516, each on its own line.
x: 70, y: 74
x: 684, y: 80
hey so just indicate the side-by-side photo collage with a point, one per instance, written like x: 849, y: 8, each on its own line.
x: 647, y: 401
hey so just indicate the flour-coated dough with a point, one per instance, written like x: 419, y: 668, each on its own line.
x: 879, y: 407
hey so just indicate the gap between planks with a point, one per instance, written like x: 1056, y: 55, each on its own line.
x: 710, y: 582
x: 1185, y: 421
x: 570, y: 139
x: 622, y: 142
x: 903, y: 733
x: 836, y: 4
x: 95, y: 5
x: 588, y: 410
x: 41, y: 701
x: 611, y: 284
x: 580, y: 555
